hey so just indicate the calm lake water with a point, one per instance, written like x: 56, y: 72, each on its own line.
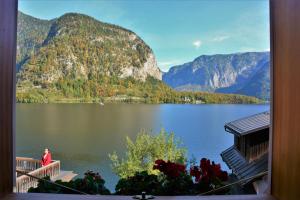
x: 82, y: 135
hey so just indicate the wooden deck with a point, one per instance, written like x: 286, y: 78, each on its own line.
x: 65, y: 176
x: 34, y: 168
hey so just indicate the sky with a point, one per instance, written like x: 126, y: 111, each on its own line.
x: 178, y: 31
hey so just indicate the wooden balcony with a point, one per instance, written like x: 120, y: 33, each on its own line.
x: 33, y: 167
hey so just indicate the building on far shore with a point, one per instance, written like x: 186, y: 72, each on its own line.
x: 249, y: 154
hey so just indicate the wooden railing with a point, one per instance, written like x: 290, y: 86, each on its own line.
x: 27, y: 164
x: 23, y: 182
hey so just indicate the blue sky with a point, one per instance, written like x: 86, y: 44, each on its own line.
x: 178, y: 31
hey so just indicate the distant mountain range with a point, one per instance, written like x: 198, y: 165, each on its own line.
x: 238, y: 73
x: 76, y: 58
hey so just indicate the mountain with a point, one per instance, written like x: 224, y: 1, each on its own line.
x: 76, y: 58
x: 78, y: 46
x: 239, y: 73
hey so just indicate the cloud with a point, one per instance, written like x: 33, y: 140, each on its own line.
x: 197, y: 44
x: 220, y: 38
x: 166, y: 65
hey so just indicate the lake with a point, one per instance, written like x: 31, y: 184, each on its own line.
x: 82, y: 135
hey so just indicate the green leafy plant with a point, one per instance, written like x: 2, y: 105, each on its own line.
x: 145, y: 150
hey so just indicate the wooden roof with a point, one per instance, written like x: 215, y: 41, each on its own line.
x: 249, y: 124
x: 242, y: 168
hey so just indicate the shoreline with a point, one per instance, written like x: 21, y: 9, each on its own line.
x: 184, y: 98
x: 134, y: 100
x: 78, y: 102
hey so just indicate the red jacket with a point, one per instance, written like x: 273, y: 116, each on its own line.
x: 46, y: 159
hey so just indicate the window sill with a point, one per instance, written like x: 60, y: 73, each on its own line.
x: 27, y: 196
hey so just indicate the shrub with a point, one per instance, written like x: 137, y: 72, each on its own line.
x: 91, y: 183
x: 140, y: 182
x: 174, y: 178
x: 145, y: 150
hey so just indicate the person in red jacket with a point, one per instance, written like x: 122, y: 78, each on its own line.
x: 46, y: 158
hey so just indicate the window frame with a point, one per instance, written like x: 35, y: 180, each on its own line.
x: 8, y: 31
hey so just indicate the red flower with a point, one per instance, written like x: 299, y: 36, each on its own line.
x: 194, y: 171
x: 207, y: 171
x: 170, y: 169
x: 223, y: 176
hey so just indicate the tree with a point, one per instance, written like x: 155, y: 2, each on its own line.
x: 145, y: 150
